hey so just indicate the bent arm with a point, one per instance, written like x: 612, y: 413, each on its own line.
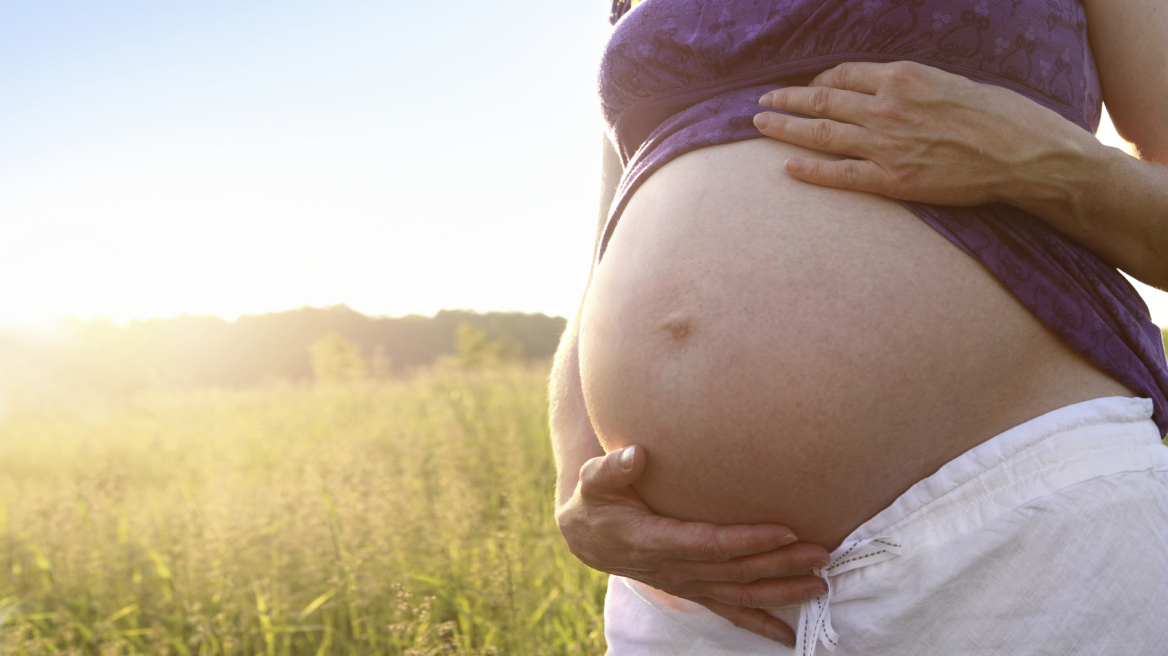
x: 573, y: 439
x: 1115, y: 205
x: 1110, y: 202
x: 920, y: 134
x: 1130, y: 41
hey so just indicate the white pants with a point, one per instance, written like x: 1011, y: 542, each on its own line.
x: 1051, y: 538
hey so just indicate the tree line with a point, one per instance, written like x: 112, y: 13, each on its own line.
x: 210, y: 351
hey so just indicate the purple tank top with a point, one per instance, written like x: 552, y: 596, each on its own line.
x: 678, y: 75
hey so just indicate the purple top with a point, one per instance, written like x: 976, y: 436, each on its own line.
x: 678, y: 75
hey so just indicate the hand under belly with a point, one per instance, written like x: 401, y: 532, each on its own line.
x: 795, y: 354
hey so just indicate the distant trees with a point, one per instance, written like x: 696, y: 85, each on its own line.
x: 331, y: 343
x: 476, y: 350
x: 337, y: 360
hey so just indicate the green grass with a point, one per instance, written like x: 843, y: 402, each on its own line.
x: 396, y: 517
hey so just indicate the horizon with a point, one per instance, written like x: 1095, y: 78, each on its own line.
x: 54, y: 329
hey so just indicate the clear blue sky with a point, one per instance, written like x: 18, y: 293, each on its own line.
x: 241, y: 157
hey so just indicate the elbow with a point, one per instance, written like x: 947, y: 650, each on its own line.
x: 1151, y: 268
x: 1149, y: 139
x: 1153, y: 152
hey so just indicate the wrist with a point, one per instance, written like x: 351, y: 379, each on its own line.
x: 1060, y: 182
x: 1101, y: 171
x: 1083, y: 194
x: 566, y: 486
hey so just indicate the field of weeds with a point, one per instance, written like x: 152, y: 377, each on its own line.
x: 408, y: 516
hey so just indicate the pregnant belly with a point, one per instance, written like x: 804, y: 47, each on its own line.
x: 794, y: 354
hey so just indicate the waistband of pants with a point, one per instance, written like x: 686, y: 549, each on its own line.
x: 1038, y: 458
x: 1095, y: 439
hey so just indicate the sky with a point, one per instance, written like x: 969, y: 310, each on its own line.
x: 242, y: 157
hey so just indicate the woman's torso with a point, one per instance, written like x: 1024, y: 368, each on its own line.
x: 798, y: 354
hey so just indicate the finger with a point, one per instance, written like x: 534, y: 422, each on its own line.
x: 612, y: 472
x: 764, y: 593
x: 679, y: 540
x: 816, y: 133
x: 821, y: 102
x: 862, y: 77
x: 751, y: 619
x: 786, y: 561
x: 860, y: 175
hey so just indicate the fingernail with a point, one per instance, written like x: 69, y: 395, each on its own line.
x: 785, y: 641
x: 766, y: 99
x: 626, y: 458
x: 819, y: 562
x: 761, y: 121
x: 794, y: 165
x: 815, y: 593
x: 788, y: 539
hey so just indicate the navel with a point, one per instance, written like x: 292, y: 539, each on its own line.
x: 678, y: 326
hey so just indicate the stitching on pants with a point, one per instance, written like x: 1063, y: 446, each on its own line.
x: 874, y: 553
x: 850, y: 550
x: 804, y: 634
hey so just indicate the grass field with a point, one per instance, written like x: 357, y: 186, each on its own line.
x: 409, y: 516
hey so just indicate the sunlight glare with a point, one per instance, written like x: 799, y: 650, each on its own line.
x: 1156, y: 299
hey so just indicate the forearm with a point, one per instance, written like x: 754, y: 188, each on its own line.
x: 1114, y: 204
x: 913, y: 132
x: 573, y: 439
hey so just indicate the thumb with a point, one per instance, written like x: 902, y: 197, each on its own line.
x: 613, y: 471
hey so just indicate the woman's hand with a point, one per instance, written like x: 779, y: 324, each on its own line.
x: 918, y: 133
x: 731, y: 570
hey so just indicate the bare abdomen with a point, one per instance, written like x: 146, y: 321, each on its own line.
x: 797, y: 354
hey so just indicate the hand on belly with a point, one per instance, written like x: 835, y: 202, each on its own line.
x: 794, y: 354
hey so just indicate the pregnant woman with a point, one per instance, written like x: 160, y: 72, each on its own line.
x: 961, y: 406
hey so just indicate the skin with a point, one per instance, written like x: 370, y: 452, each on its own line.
x: 741, y: 328
x: 731, y: 570
x: 917, y: 134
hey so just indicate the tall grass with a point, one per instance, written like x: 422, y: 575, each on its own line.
x: 396, y: 517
